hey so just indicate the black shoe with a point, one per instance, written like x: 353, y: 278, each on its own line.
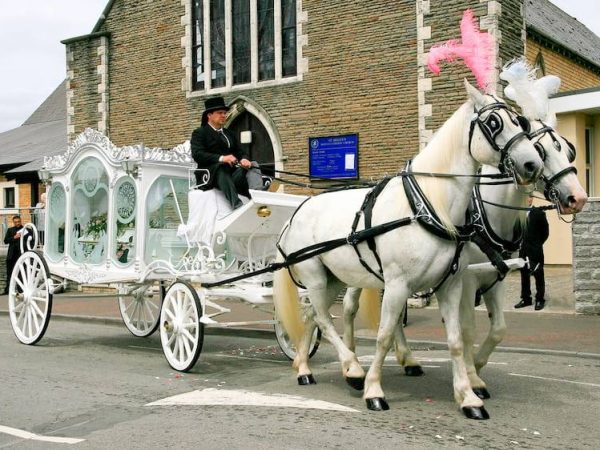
x: 523, y: 304
x: 539, y: 305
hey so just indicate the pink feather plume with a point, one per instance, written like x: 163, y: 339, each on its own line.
x: 476, y: 49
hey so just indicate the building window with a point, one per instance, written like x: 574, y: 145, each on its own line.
x: 9, y: 197
x: 589, y: 161
x: 241, y: 42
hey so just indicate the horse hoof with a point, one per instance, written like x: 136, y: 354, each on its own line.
x: 413, y: 371
x: 305, y: 380
x: 356, y: 383
x: 377, y: 404
x: 475, y: 413
x: 481, y: 392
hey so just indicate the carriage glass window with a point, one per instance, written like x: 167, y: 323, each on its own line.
x: 56, y: 216
x: 241, y: 42
x: 89, y: 212
x: 166, y: 205
x: 124, y: 221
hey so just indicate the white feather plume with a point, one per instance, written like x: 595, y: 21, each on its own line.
x: 530, y: 94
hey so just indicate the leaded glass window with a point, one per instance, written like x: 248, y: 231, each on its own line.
x: 241, y: 42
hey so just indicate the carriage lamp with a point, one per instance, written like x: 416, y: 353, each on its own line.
x: 263, y: 211
x: 130, y: 166
x: 44, y: 175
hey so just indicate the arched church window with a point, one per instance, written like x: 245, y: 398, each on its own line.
x: 237, y: 42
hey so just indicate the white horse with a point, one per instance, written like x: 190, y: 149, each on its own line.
x: 498, y: 227
x: 482, y: 131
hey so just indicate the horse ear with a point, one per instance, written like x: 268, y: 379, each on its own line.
x: 476, y: 96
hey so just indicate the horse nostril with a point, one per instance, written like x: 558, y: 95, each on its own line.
x: 571, y: 200
x: 531, y: 167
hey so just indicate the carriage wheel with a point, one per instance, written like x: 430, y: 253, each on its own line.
x: 287, y: 346
x: 29, y: 298
x: 141, y: 310
x: 181, y: 332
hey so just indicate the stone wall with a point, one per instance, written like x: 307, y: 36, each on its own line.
x: 586, y: 252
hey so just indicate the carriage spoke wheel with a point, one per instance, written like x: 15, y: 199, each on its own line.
x: 181, y: 332
x: 287, y: 346
x: 29, y: 298
x: 141, y: 309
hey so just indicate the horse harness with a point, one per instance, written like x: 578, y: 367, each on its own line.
x: 495, y: 248
x: 493, y: 125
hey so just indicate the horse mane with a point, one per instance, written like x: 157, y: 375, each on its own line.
x: 444, y: 151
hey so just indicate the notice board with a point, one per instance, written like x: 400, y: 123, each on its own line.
x: 333, y: 157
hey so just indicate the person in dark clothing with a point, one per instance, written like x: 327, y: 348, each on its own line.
x: 532, y: 247
x: 216, y: 149
x: 12, y: 238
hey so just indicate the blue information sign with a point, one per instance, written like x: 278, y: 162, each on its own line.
x: 333, y: 157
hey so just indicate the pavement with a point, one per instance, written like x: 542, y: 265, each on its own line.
x: 554, y: 330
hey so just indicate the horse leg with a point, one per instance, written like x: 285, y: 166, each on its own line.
x: 449, y: 298
x: 351, y: 369
x: 305, y: 376
x: 350, y: 308
x: 467, y: 323
x: 412, y: 368
x: 493, y: 302
x: 394, y: 300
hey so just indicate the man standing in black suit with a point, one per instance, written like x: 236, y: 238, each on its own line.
x: 216, y: 149
x: 532, y: 247
x: 12, y: 238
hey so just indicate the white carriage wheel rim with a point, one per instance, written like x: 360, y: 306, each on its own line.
x: 181, y: 339
x: 140, y: 313
x: 29, y: 309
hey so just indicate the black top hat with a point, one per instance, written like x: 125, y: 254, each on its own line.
x: 213, y: 104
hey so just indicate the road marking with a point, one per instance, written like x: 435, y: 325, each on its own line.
x: 36, y: 437
x: 554, y: 379
x: 253, y: 359
x: 220, y: 397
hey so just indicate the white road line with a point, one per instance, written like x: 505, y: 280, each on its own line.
x: 252, y: 359
x: 36, y: 437
x: 554, y: 379
x: 221, y: 397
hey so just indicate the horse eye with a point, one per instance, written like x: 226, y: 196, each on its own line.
x: 541, y: 150
x: 523, y: 122
x: 572, y: 153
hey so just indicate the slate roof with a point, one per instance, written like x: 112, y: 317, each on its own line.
x: 44, y: 133
x: 553, y: 23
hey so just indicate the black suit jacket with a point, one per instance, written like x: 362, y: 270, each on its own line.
x: 536, y: 233
x: 208, y: 145
x: 14, y: 245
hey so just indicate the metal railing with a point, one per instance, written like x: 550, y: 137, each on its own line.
x: 37, y: 216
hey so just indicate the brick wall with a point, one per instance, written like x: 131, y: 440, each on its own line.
x: 361, y: 78
x: 586, y: 251
x: 572, y: 75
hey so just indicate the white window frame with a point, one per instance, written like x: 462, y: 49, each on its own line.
x: 301, y: 63
x: 589, y: 167
x: 6, y: 185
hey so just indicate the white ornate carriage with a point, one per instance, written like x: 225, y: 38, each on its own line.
x: 116, y: 216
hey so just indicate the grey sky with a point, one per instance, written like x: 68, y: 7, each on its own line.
x: 32, y: 59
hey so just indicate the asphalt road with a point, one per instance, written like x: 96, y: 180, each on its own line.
x: 95, y: 382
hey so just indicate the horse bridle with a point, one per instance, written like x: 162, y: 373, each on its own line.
x: 493, y: 125
x: 550, y: 191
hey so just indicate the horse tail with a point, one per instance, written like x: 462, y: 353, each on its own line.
x: 369, y: 308
x: 287, y: 304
